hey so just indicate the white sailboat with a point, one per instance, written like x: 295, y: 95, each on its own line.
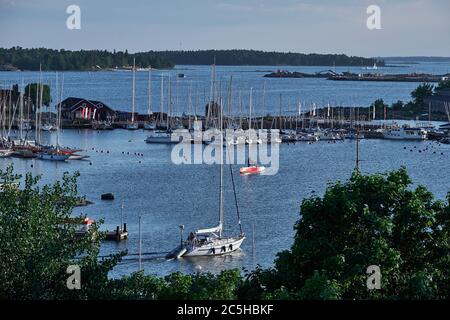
x: 211, y: 241
x: 149, y: 125
x: 133, y: 125
x: 163, y: 136
x: 55, y: 153
x: 251, y: 168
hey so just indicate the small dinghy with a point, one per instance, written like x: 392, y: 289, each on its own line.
x: 252, y: 170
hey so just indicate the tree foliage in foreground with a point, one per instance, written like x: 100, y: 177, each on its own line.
x: 369, y: 220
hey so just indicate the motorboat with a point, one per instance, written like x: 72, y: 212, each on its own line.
x: 405, y: 133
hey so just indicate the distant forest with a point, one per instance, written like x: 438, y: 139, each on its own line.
x: 18, y: 58
x: 263, y: 58
x: 30, y: 59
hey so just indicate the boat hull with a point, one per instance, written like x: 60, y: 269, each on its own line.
x: 251, y: 170
x: 216, y: 248
x: 5, y: 153
x: 53, y: 157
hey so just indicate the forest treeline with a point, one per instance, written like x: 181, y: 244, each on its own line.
x: 264, y: 58
x: 82, y: 60
x: 17, y: 58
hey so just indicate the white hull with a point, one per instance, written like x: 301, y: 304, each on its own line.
x: 405, y: 134
x: 132, y: 126
x: 158, y: 137
x: 5, y: 153
x: 216, y: 247
x: 77, y: 157
x: 149, y: 126
x: 47, y: 128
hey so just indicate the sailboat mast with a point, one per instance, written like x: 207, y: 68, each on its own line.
x: 58, y: 123
x: 149, y: 109
x: 21, y: 112
x: 36, y: 107
x: 169, y: 103
x: 134, y: 87
x: 221, y: 172
x: 161, y: 105
x: 57, y: 99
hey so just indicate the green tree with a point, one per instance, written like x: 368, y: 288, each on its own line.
x: 421, y: 92
x: 398, y: 105
x: 444, y: 84
x: 37, y: 241
x: 369, y: 220
x: 31, y: 90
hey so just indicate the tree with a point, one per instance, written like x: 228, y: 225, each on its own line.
x: 421, y: 92
x: 37, y: 241
x: 31, y: 90
x: 398, y: 105
x: 444, y: 84
x: 369, y: 220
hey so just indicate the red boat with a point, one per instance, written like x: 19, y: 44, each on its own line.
x: 252, y: 170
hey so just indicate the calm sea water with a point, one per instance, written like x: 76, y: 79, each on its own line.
x: 167, y: 195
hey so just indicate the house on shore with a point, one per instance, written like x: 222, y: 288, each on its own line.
x: 79, y: 109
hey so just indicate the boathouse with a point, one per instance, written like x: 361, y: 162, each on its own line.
x: 84, y: 109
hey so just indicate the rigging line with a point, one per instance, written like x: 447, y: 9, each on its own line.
x: 235, y: 196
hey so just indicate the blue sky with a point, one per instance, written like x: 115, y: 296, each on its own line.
x: 409, y: 27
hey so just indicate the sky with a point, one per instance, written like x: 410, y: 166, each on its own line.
x: 408, y: 27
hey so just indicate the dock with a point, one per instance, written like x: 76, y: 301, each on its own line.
x: 118, y: 235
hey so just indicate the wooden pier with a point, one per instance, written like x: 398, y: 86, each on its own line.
x: 119, y: 234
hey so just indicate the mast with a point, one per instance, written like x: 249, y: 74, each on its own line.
x: 221, y: 174
x: 169, y: 103
x: 250, y: 124
x: 190, y: 105
x: 21, y: 113
x: 161, y: 105
x: 134, y: 87
x: 57, y: 124
x: 149, y: 107
x: 58, y: 121
x: 37, y: 106
x: 263, y: 104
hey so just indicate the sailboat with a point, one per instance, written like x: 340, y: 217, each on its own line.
x: 150, y: 125
x: 211, y: 241
x: 55, y: 153
x: 133, y: 125
x: 251, y: 169
x: 375, y: 67
x: 163, y: 136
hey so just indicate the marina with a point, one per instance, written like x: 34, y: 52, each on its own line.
x: 126, y: 161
